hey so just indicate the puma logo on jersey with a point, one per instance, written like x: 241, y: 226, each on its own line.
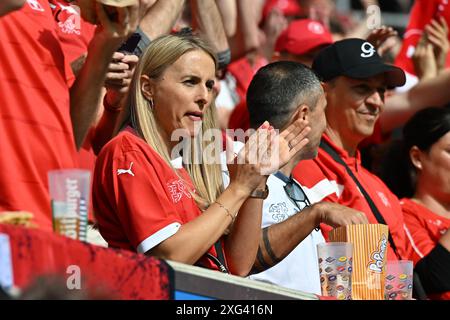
x: 122, y: 171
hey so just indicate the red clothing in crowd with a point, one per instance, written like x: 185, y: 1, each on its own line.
x: 35, y: 125
x: 75, y: 35
x: 74, y: 32
x: 328, y: 180
x: 424, y: 228
x: 243, y: 73
x: 138, y: 199
x: 421, y: 14
x: 240, y: 118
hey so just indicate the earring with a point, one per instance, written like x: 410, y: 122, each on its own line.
x: 150, y: 101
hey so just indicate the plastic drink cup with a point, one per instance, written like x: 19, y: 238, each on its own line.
x: 335, y: 268
x: 399, y: 280
x: 69, y: 193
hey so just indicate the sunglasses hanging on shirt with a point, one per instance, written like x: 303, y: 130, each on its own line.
x: 294, y: 191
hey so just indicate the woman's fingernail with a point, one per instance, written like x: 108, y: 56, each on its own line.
x: 265, y: 125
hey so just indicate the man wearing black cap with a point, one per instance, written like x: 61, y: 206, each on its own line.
x: 355, y: 58
x: 355, y: 80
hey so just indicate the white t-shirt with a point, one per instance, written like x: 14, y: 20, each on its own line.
x: 299, y: 270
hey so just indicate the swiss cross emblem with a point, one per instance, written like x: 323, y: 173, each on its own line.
x: 315, y: 27
x: 68, y: 18
x: 177, y: 189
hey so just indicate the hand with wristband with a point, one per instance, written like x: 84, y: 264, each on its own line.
x: 118, y: 79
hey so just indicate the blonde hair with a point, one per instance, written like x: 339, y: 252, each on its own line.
x: 161, y: 54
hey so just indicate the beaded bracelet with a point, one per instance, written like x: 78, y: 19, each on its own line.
x: 228, y: 211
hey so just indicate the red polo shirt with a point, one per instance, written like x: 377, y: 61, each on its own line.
x: 139, y: 200
x: 329, y: 181
x: 35, y: 125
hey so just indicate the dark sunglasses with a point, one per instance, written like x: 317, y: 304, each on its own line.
x: 296, y: 194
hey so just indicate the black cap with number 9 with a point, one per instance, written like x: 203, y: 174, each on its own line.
x: 355, y: 58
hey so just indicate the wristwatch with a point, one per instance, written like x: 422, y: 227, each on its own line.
x: 260, y: 193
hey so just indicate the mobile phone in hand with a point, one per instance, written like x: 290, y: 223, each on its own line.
x: 130, y: 44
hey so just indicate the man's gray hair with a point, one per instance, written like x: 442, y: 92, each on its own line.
x: 277, y: 89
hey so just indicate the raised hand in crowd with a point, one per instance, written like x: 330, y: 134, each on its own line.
x: 274, y: 150
x: 253, y: 159
x: 113, y: 28
x: 117, y: 82
x: 275, y: 23
x: 381, y: 39
x: 228, y: 12
x: 437, y: 34
x: 118, y: 78
x: 289, y: 142
x: 144, y: 7
x: 424, y: 60
x: 119, y: 23
x: 319, y: 10
x: 160, y: 16
x: 7, y: 6
x: 248, y: 37
x: 206, y: 19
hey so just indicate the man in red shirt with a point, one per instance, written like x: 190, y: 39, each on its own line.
x: 355, y: 82
x: 42, y: 119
